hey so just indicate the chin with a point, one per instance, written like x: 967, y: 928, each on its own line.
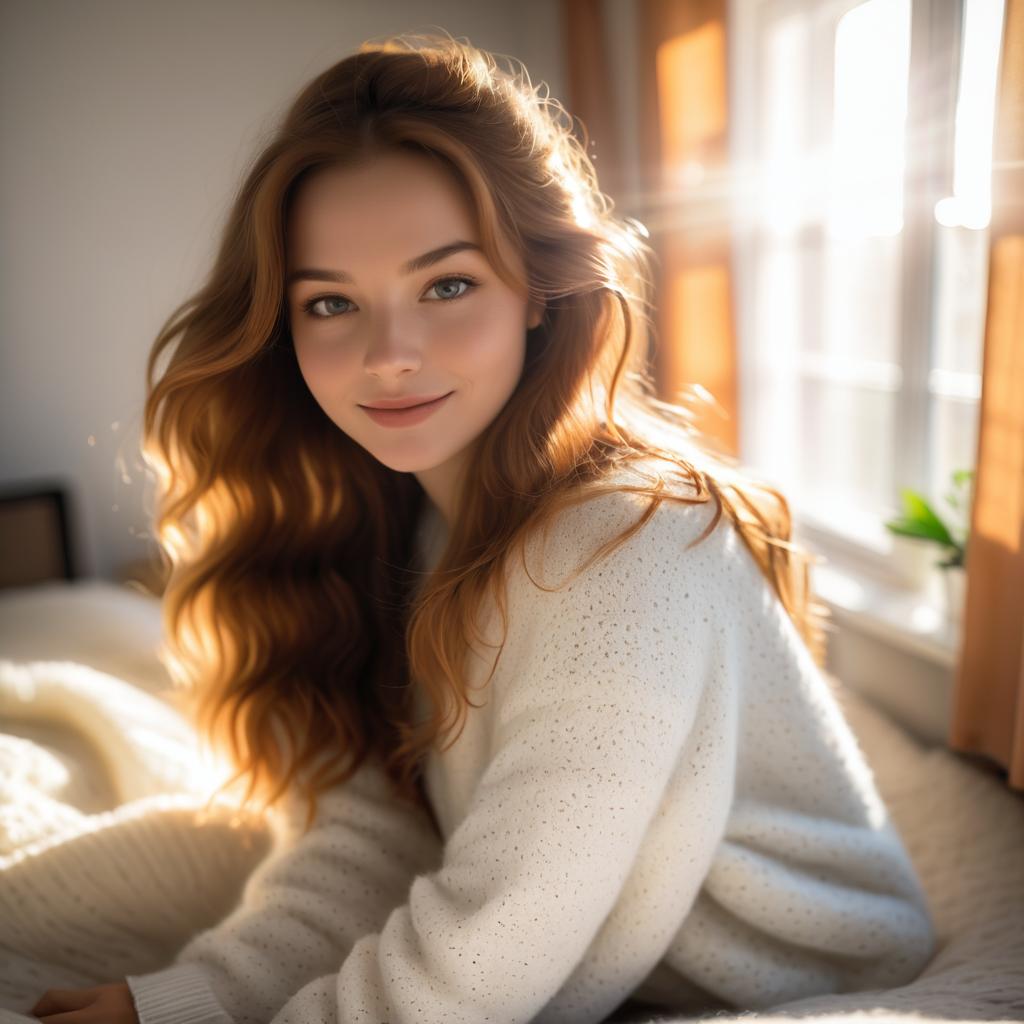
x: 407, y: 462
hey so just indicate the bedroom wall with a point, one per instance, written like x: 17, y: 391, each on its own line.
x: 126, y: 127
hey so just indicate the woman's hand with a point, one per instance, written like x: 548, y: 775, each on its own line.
x: 104, y: 1004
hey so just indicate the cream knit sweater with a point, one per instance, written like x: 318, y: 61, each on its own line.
x: 658, y: 797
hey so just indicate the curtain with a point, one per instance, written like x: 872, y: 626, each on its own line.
x: 683, y: 147
x: 593, y: 97
x: 684, y: 124
x: 988, y: 700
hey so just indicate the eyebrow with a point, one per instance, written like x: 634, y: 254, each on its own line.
x: 417, y: 263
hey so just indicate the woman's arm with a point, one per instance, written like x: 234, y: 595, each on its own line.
x: 302, y: 909
x: 812, y: 890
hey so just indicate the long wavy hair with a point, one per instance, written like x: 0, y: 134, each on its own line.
x: 293, y: 622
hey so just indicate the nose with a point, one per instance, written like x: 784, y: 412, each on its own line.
x: 391, y: 349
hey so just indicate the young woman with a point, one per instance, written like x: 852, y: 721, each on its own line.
x: 652, y: 794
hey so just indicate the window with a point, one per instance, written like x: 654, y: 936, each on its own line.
x: 862, y: 155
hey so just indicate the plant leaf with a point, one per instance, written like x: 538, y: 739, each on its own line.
x: 918, y: 514
x: 909, y: 528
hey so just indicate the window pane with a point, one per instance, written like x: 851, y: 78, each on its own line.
x: 847, y: 445
x: 786, y: 173
x: 954, y: 442
x: 962, y: 240
x: 961, y: 269
x: 773, y: 404
x: 872, y: 73
x: 971, y: 202
x: 860, y: 315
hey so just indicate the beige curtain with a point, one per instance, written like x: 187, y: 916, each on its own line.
x: 988, y: 704
x: 683, y: 129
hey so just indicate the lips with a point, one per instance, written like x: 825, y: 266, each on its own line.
x: 409, y: 416
x: 403, y: 403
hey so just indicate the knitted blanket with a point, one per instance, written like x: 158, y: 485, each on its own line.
x: 103, y: 871
x: 99, y: 776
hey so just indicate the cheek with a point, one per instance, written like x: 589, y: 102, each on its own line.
x: 486, y: 345
x: 330, y: 372
x: 324, y: 363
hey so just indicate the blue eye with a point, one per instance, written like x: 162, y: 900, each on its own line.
x: 308, y: 306
x: 467, y: 281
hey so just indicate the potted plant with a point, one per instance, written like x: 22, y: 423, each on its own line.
x: 922, y: 523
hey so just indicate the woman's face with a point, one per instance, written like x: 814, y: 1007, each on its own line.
x: 379, y: 311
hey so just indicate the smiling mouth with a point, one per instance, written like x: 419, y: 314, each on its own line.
x: 409, y: 416
x: 415, y: 405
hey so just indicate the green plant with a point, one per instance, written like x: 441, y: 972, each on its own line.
x: 921, y: 521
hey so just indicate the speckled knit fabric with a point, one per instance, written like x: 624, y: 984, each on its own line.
x: 658, y: 797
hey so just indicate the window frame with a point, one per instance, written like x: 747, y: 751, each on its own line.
x: 935, y: 34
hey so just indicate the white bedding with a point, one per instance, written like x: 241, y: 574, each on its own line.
x: 92, y: 753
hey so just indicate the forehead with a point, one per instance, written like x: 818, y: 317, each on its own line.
x: 395, y: 205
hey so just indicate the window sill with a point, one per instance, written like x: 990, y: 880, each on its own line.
x: 890, y: 637
x: 911, y: 620
x: 883, y: 586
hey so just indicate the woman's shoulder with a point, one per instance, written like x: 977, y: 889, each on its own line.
x: 685, y: 576
x: 595, y: 592
x: 686, y: 534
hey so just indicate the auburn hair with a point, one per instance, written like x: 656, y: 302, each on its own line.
x: 292, y: 624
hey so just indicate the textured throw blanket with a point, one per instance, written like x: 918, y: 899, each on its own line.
x: 99, y: 774
x: 98, y: 782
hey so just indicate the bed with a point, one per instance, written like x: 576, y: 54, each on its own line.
x: 93, y: 752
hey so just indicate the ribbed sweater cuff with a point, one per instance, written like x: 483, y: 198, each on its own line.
x: 179, y: 994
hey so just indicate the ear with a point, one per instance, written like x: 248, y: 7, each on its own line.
x: 535, y: 314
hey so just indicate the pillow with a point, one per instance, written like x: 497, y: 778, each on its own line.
x: 107, y: 626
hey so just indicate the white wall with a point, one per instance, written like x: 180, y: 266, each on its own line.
x: 126, y: 126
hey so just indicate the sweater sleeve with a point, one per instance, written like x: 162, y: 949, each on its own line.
x: 812, y: 891
x: 302, y: 908
x: 605, y: 688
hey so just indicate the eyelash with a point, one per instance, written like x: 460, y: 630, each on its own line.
x: 307, y: 306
